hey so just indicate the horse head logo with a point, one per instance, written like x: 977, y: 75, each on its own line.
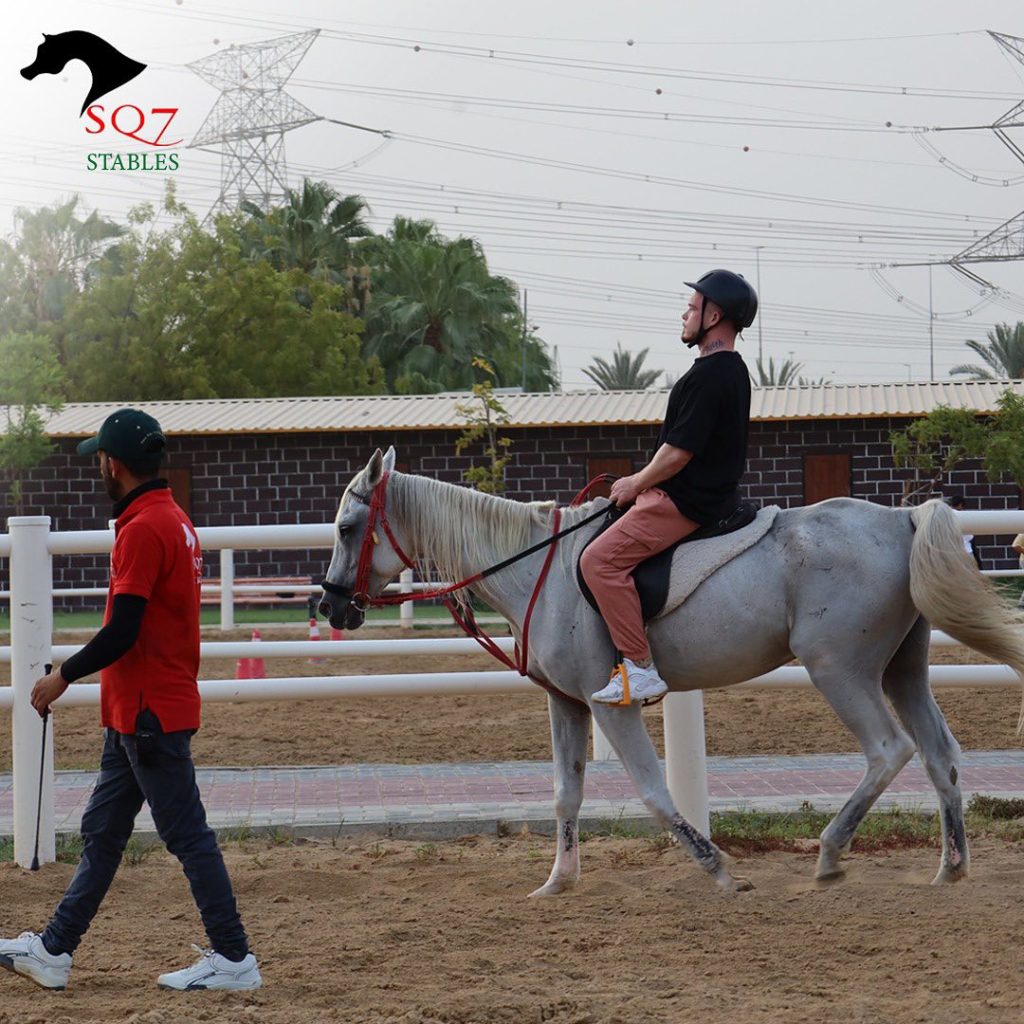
x: 110, y: 68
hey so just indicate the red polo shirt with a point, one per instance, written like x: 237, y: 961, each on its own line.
x: 156, y: 556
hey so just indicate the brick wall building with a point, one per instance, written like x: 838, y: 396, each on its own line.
x: 236, y: 463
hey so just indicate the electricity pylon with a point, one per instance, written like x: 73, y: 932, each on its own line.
x: 247, y: 123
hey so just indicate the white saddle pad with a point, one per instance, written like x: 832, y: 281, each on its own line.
x: 693, y: 563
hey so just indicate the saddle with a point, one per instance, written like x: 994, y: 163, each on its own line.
x: 653, y: 575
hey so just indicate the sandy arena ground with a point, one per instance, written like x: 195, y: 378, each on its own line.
x: 367, y: 932
x: 442, y: 934
x: 426, y: 730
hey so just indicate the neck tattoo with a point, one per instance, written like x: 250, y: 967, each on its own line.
x: 712, y: 346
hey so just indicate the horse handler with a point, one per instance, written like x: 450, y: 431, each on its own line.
x: 691, y: 481
x: 148, y: 651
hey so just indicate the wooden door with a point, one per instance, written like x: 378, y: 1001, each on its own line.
x: 616, y: 465
x: 181, y: 487
x: 826, y: 476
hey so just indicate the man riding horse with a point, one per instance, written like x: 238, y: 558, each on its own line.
x: 690, y: 482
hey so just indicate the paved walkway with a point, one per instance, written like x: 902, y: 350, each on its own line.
x: 446, y: 799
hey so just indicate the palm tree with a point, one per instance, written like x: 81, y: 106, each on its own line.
x: 787, y: 373
x: 312, y: 231
x: 436, y: 307
x: 625, y: 372
x: 1004, y: 354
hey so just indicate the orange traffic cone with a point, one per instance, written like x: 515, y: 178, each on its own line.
x: 314, y: 634
x: 259, y: 669
x: 336, y: 634
x: 243, y: 668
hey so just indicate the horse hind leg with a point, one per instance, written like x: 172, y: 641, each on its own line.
x: 626, y: 732
x: 856, y: 697
x: 570, y: 735
x: 905, y: 682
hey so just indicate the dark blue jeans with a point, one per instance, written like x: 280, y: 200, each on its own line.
x: 167, y: 782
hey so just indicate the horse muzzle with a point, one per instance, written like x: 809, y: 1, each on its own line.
x: 341, y: 608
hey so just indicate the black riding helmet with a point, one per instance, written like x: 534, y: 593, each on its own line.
x: 731, y: 293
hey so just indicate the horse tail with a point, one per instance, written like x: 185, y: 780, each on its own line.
x: 948, y: 590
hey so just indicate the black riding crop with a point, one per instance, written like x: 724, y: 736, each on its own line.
x: 42, y: 768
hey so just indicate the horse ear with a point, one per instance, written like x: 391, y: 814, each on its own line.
x: 45, y: 36
x: 389, y: 459
x: 374, y: 468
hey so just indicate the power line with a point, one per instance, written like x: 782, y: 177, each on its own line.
x: 660, y: 214
x: 616, y: 41
x: 234, y: 19
x: 491, y: 54
x: 657, y: 179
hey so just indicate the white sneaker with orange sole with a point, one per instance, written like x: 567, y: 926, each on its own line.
x: 631, y: 682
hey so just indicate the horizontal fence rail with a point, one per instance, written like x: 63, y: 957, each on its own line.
x: 321, y: 535
x: 244, y: 588
x: 434, y: 646
x: 453, y: 684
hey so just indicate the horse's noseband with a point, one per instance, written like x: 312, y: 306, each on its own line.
x: 359, y: 601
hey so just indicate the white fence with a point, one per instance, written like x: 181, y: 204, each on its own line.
x: 30, y: 546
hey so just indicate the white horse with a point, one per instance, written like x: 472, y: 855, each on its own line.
x: 846, y: 586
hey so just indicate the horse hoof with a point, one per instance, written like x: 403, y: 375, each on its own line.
x: 948, y: 875
x: 733, y: 883
x: 829, y: 868
x: 552, y: 888
x: 829, y: 876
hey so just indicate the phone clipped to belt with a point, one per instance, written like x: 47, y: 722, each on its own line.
x: 147, y: 729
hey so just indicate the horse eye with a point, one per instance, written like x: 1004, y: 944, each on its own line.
x: 343, y: 530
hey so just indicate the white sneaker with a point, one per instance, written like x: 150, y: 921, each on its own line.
x: 213, y: 971
x: 631, y: 682
x: 26, y: 955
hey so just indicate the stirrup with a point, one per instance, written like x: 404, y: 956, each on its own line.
x: 624, y: 676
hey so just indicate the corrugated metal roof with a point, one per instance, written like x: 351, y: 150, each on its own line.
x: 434, y: 412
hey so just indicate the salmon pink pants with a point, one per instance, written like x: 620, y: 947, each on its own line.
x: 651, y: 525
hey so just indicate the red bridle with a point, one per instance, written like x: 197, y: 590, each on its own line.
x: 361, y: 589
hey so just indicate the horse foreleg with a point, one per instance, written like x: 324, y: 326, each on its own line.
x: 570, y: 735
x: 626, y: 732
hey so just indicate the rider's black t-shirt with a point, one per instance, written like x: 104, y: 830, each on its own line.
x: 709, y: 415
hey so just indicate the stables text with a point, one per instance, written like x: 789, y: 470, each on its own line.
x: 132, y: 161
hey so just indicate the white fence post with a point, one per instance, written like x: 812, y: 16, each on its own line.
x: 685, y: 757
x: 405, y: 609
x: 227, y: 588
x: 603, y: 750
x: 31, y: 633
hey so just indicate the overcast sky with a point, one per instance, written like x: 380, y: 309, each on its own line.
x: 604, y: 153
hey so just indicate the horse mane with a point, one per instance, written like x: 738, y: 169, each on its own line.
x: 460, y: 530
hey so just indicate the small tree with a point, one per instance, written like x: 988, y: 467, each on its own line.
x: 30, y: 383
x: 483, y: 416
x: 933, y: 446
x: 1003, y: 452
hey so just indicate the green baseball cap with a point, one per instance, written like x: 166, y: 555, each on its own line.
x: 128, y: 434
